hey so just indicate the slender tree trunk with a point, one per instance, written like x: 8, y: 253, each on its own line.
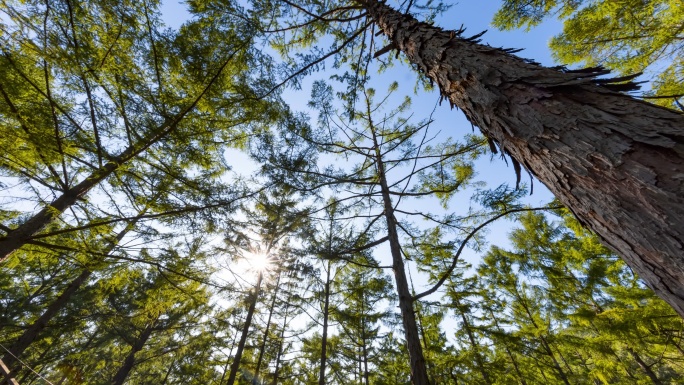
x: 417, y: 361
x: 364, y: 350
x: 22, y: 234
x: 562, y: 357
x: 225, y: 367
x: 360, y: 367
x: 61, y: 380
x: 544, y: 342
x: 541, y: 371
x: 421, y: 327
x: 646, y: 368
x: 276, y: 370
x: 473, y: 343
x: 364, y: 343
x: 245, y: 330
x: 454, y: 378
x: 586, y: 368
x: 508, y: 350
x: 129, y: 362
x: 615, y: 161
x: 324, y: 339
x: 598, y: 309
x: 268, y: 326
x: 168, y: 373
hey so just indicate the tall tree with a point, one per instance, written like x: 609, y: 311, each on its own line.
x: 567, y: 300
x: 98, y: 96
x: 251, y: 303
x: 612, y: 159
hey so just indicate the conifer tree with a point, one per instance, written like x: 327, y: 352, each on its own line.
x: 100, y: 94
x: 598, y: 150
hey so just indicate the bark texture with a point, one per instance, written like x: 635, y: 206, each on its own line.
x: 615, y: 161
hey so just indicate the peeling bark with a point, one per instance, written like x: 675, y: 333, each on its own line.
x: 615, y: 161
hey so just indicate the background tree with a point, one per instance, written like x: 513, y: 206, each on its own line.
x: 80, y: 107
x: 629, y: 37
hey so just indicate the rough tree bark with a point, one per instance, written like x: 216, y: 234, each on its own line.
x: 615, y: 161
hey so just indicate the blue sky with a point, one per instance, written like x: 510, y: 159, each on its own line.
x: 476, y: 16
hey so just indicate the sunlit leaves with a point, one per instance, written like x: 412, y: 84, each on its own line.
x: 630, y: 37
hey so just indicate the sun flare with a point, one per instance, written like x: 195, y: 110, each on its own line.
x: 260, y: 261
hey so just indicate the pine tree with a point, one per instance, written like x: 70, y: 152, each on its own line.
x: 601, y: 152
x: 104, y: 94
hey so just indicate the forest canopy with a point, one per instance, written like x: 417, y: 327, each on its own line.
x: 171, y: 212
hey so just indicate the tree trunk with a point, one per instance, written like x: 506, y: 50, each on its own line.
x: 225, y: 367
x: 268, y: 326
x: 364, y: 350
x: 473, y: 343
x: 245, y: 330
x: 418, y: 370
x: 544, y: 342
x: 615, y: 161
x: 364, y: 343
x: 276, y: 370
x: 125, y: 369
x: 646, y: 368
x: 324, y: 339
x: 508, y: 350
x: 421, y: 328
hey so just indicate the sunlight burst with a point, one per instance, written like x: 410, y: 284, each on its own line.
x: 259, y: 261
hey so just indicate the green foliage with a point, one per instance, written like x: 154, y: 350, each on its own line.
x: 630, y: 36
x: 562, y: 294
x: 158, y: 241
